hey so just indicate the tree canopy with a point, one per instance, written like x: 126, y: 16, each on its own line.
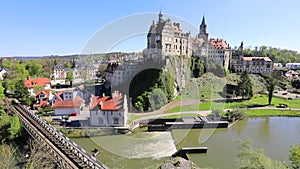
x: 270, y: 83
x: 245, y: 86
x: 157, y: 99
x: 276, y: 54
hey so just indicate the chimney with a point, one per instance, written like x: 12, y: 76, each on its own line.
x: 103, y: 94
x: 28, y: 77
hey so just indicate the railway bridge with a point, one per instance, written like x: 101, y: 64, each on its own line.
x: 67, y: 153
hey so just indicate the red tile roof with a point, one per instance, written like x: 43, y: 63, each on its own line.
x: 107, y: 103
x: 46, y: 92
x: 267, y: 59
x: 30, y: 83
x: 219, y: 43
x: 58, y: 95
x: 67, y: 104
x: 41, y: 104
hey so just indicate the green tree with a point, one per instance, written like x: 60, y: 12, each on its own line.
x: 296, y: 83
x: 69, y: 77
x: 270, y: 83
x: 15, y: 127
x: 17, y: 72
x: 245, y: 86
x: 166, y: 84
x: 251, y: 158
x: 34, y: 68
x: 22, y: 93
x: 157, y: 99
x: 1, y: 90
x: 197, y: 67
x: 295, y: 156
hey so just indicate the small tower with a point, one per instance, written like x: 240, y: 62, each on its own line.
x: 203, y: 30
x: 160, y: 15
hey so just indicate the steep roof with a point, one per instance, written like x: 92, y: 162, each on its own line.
x: 107, y: 103
x: 46, y: 92
x: 219, y: 43
x: 30, y: 83
x: 59, y: 95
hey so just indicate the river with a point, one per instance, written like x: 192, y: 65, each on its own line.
x: 143, y: 149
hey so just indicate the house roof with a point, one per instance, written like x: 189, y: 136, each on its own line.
x: 266, y: 59
x: 67, y: 104
x: 46, y: 92
x: 41, y: 104
x: 59, y: 95
x: 107, y: 103
x: 219, y: 43
x: 30, y: 83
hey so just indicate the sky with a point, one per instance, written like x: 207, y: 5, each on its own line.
x: 40, y: 28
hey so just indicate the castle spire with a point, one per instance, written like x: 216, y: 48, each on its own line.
x: 160, y: 16
x: 203, y: 21
x: 203, y: 25
x: 202, y: 30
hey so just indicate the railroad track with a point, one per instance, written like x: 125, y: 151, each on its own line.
x: 71, y: 156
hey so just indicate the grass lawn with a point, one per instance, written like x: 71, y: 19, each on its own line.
x: 263, y: 100
x: 201, y: 106
x: 258, y: 100
x: 259, y: 113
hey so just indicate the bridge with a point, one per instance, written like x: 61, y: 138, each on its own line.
x: 67, y: 153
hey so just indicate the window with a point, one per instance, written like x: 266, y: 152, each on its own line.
x: 116, y: 120
x: 100, y: 120
x: 111, y: 113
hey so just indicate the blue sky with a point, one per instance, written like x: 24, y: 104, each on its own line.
x: 38, y: 28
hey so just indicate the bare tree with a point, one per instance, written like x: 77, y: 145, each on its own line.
x: 7, y: 155
x: 40, y: 156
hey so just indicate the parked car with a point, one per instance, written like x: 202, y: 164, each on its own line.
x: 282, y: 105
x: 73, y: 114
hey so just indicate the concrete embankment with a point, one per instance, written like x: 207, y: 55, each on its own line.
x: 184, y: 123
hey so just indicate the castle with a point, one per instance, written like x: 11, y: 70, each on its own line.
x: 168, y: 39
x: 165, y: 39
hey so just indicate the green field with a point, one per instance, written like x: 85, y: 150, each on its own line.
x: 260, y: 113
x: 262, y: 100
x: 258, y: 100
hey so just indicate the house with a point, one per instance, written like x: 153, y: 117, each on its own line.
x: 67, y: 107
x: 263, y: 65
x: 255, y: 65
x: 31, y: 83
x: 42, y: 98
x: 3, y: 71
x: 109, y: 111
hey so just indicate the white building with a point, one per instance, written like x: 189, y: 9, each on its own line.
x: 215, y: 50
x: 67, y: 107
x: 263, y: 65
x: 293, y: 65
x: 109, y: 111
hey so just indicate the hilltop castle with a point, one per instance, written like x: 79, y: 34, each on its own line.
x: 168, y: 39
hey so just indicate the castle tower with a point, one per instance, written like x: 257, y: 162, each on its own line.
x: 203, y: 30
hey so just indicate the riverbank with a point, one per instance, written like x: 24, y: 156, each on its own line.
x: 270, y: 112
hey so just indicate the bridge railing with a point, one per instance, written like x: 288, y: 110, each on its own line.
x: 64, y: 140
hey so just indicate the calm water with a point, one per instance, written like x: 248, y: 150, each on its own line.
x: 273, y: 134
